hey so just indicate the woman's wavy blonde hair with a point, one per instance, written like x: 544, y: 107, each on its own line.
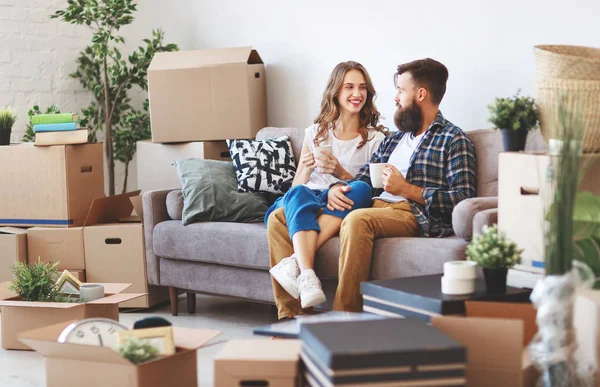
x: 330, y: 107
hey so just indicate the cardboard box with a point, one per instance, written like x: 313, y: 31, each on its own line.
x: 496, y: 335
x: 271, y: 363
x: 76, y: 365
x: 586, y: 321
x: 79, y: 274
x: 155, y: 168
x: 57, y: 245
x: 21, y: 316
x: 49, y: 186
x: 115, y: 252
x: 522, y: 194
x: 13, y: 248
x: 205, y: 95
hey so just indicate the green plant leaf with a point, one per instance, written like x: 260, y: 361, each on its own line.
x: 586, y: 216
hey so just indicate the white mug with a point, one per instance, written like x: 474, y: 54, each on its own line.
x: 376, y: 172
x: 317, y: 151
x: 91, y: 292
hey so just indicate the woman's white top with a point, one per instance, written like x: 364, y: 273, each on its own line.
x: 350, y: 158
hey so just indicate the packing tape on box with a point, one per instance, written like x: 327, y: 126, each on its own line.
x: 460, y: 270
x: 457, y: 286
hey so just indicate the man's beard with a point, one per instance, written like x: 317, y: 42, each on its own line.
x: 409, y: 119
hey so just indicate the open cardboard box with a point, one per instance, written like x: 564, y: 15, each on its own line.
x: 115, y: 251
x: 71, y: 365
x: 496, y: 335
x: 21, y: 316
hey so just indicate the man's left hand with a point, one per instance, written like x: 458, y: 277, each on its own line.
x: 393, y: 181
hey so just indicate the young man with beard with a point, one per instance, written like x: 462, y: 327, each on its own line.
x: 430, y: 169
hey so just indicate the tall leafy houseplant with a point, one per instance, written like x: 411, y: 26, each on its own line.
x: 514, y: 116
x: 103, y: 70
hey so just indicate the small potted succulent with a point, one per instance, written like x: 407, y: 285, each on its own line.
x: 495, y: 254
x: 515, y: 117
x: 7, y: 120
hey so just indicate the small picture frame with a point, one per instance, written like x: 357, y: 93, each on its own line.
x: 160, y: 338
x: 68, y: 284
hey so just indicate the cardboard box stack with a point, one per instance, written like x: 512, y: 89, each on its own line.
x: 523, y: 194
x: 58, y: 129
x: 381, y: 353
x: 198, y: 99
x: 13, y: 248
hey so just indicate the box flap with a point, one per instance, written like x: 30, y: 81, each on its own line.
x: 110, y: 209
x: 193, y: 338
x: 114, y: 288
x: 6, y: 294
x: 506, y: 310
x: 491, y: 343
x: 203, y: 58
x: 12, y: 231
x: 31, y: 304
x: 138, y: 207
x: 117, y: 298
x: 44, y: 341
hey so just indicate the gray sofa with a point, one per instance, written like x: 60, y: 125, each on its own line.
x: 232, y: 259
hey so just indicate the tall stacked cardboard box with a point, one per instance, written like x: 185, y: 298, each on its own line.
x: 198, y: 99
x: 523, y: 194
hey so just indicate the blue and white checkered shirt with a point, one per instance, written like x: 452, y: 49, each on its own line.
x: 443, y: 164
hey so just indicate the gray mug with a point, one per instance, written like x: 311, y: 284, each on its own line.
x: 91, y: 292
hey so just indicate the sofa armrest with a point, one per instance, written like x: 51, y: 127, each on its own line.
x: 484, y: 218
x: 155, y: 211
x: 464, y: 214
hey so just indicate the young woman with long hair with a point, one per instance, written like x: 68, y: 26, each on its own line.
x: 300, y: 222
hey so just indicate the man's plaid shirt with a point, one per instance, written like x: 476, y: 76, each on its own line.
x: 443, y: 164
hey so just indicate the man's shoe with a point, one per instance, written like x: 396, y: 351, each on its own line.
x: 311, y: 293
x: 286, y: 273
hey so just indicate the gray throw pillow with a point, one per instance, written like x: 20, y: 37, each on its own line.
x: 210, y: 193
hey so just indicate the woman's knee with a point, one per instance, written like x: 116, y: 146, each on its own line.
x: 361, y: 194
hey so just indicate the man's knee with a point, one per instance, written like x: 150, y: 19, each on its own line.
x: 276, y: 219
x: 354, y: 221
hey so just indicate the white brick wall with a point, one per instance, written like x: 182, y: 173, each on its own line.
x: 37, y: 55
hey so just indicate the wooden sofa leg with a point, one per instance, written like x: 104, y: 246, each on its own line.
x: 173, y: 296
x: 191, y: 303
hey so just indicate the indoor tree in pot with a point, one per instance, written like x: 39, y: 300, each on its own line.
x: 515, y: 117
x: 7, y: 120
x: 495, y: 253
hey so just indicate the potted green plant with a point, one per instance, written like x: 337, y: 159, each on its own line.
x: 7, y: 120
x: 495, y: 253
x: 515, y: 117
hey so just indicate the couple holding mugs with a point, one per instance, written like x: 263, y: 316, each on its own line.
x: 359, y: 180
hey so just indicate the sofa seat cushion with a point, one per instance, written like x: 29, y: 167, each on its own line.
x: 246, y: 246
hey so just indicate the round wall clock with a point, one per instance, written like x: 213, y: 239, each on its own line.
x: 100, y: 332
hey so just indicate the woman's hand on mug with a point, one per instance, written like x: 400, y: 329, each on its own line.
x: 328, y: 163
x: 308, y: 159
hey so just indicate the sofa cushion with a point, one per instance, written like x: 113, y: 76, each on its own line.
x: 210, y: 193
x: 245, y: 245
x: 263, y: 165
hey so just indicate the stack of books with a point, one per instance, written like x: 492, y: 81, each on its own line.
x: 378, y: 353
x: 58, y: 129
x: 422, y: 297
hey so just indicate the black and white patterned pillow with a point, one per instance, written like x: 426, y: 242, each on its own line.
x: 263, y: 166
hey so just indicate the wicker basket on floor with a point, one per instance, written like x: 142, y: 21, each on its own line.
x: 567, y: 62
x: 578, y: 96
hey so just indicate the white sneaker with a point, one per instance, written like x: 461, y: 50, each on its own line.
x: 311, y: 293
x: 286, y: 273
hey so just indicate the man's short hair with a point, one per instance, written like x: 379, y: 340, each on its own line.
x: 427, y: 73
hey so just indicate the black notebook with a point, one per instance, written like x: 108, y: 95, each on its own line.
x: 422, y: 297
x: 379, y: 343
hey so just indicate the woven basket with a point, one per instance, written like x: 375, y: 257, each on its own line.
x: 567, y: 62
x: 577, y: 95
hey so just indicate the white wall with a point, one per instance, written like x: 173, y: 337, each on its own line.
x: 487, y: 47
